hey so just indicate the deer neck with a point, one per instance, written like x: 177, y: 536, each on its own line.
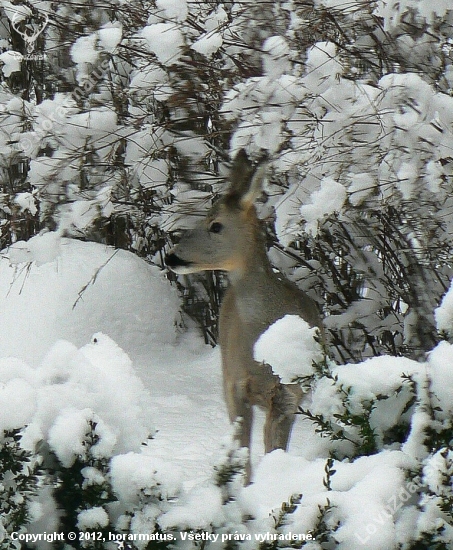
x: 255, y: 268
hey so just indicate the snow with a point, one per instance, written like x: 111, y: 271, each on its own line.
x: 41, y: 249
x: 437, y: 466
x: 444, y: 313
x: 344, y: 5
x: 152, y: 173
x: 216, y: 19
x: 16, y: 13
x: 150, y: 79
x: 26, y: 201
x: 12, y: 62
x: 40, y: 170
x: 407, y: 175
x: 84, y: 49
x: 89, y: 338
x: 132, y: 473
x: 275, y: 58
x: 92, y: 518
x: 329, y: 198
x: 72, y: 387
x: 269, y: 490
x: 376, y: 376
x: 208, y: 43
x: 441, y: 373
x: 138, y: 378
x: 392, y: 10
x: 110, y: 36
x: 165, y: 40
x: 296, y: 352
x: 17, y: 396
x: 361, y: 186
x: 54, y: 368
x: 323, y: 68
x: 200, y: 508
x: 173, y: 9
x: 94, y: 288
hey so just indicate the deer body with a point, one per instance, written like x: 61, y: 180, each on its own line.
x: 231, y: 239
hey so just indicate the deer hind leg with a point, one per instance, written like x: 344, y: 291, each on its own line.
x: 280, y: 416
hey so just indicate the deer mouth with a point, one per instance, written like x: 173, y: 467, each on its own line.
x: 177, y: 264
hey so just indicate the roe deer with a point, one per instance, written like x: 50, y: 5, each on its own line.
x: 231, y: 239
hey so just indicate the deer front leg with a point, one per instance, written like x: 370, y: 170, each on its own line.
x: 240, y: 409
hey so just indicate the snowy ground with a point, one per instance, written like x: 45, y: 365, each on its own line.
x: 132, y: 304
x: 88, y: 288
x: 139, y: 374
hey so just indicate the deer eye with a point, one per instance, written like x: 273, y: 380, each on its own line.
x: 215, y: 227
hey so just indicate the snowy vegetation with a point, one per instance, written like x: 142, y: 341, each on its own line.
x: 117, y: 120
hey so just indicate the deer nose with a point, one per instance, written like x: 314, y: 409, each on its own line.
x: 172, y: 260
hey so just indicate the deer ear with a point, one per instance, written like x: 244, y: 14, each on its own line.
x: 246, y: 180
x: 255, y: 187
x: 240, y: 175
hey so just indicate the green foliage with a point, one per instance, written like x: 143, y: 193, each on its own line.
x: 232, y: 468
x: 281, y: 518
x: 19, y: 475
x: 82, y: 486
x: 323, y: 532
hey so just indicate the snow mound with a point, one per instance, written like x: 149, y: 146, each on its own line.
x: 72, y: 391
x: 134, y: 473
x: 199, y: 509
x: 83, y: 288
x: 360, y: 495
x: 289, y: 346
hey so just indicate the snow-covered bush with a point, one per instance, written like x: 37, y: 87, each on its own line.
x: 374, y: 469
x: 116, y: 122
x: 350, y: 101
x: 76, y: 410
x: 18, y: 485
x: 67, y: 410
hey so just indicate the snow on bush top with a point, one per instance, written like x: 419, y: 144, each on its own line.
x: 133, y: 473
x: 174, y: 9
x: 328, y: 199
x: 164, y: 40
x: 289, y: 347
x: 94, y: 288
x: 71, y: 389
